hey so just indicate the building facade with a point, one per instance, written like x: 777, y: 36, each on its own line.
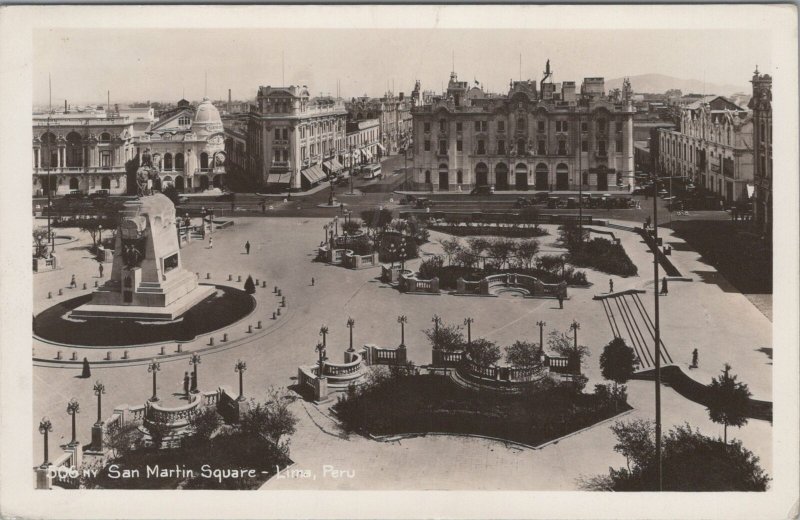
x: 290, y: 136
x: 362, y: 142
x: 87, y: 152
x: 545, y: 138
x: 394, y: 119
x: 761, y: 105
x: 713, y: 146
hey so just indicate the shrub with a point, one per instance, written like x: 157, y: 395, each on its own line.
x: 485, y: 230
x: 523, y: 353
x: 617, y: 361
x: 249, y: 285
x: 484, y: 352
x: 351, y: 226
x: 431, y: 267
x: 603, y: 255
x: 446, y: 337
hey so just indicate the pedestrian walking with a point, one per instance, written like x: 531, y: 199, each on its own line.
x: 312, y: 281
x: 72, y: 283
x: 560, y: 301
x: 100, y: 268
x: 664, y: 289
x: 610, y: 285
x: 247, y: 247
x: 694, y: 359
x: 211, y: 242
x: 186, y: 382
x: 87, y: 372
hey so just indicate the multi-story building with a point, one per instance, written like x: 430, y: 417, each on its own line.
x: 713, y: 146
x: 362, y: 142
x: 546, y: 138
x: 84, y: 152
x: 394, y: 119
x: 290, y: 137
x: 761, y: 105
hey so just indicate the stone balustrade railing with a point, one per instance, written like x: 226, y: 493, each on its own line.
x: 375, y: 355
x: 342, y: 369
x: 410, y: 283
x: 502, y: 375
x: 173, y: 417
x: 532, y: 285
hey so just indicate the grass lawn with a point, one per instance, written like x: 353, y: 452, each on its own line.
x: 432, y: 403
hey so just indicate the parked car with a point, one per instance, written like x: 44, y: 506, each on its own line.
x: 423, y: 203
x: 98, y: 194
x: 482, y: 190
x: 522, y: 202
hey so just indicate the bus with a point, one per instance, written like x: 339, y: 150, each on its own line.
x: 371, y: 171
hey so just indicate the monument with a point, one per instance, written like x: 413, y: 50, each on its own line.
x: 148, y: 280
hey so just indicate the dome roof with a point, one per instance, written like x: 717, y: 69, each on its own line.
x: 207, y: 114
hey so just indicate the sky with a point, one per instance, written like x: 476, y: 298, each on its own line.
x: 167, y: 64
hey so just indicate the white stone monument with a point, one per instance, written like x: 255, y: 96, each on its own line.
x: 148, y: 280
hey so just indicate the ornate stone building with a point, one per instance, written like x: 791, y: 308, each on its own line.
x: 86, y: 152
x: 761, y: 105
x: 545, y: 138
x: 713, y: 146
x: 291, y: 137
x: 394, y: 119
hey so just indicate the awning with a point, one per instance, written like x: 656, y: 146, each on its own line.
x: 279, y: 178
x: 313, y: 174
x: 366, y: 153
x: 332, y: 166
x: 382, y: 148
x: 336, y: 165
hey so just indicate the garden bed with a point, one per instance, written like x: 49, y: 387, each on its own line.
x: 448, y: 275
x: 603, y: 255
x: 432, y: 403
x: 510, y: 232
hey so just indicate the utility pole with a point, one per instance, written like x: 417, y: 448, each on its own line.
x: 657, y: 334
x: 49, y: 160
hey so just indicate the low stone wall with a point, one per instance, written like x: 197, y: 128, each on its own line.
x: 535, y: 287
x: 346, y: 257
x: 410, y: 283
x: 46, y: 264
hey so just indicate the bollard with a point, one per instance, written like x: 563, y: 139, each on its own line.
x: 197, y: 275
x: 108, y: 356
x: 74, y: 356
x: 239, y: 278
x: 263, y: 284
x: 49, y: 295
x: 211, y: 341
x: 95, y: 283
x: 279, y: 292
x: 60, y: 292
x: 84, y: 286
x: 249, y: 329
x: 257, y: 281
x: 230, y: 277
x: 258, y: 326
x: 224, y: 336
x: 58, y: 355
x: 275, y: 290
x: 274, y: 316
x: 180, y: 348
x: 125, y: 354
x: 208, y: 276
x: 279, y: 311
x: 162, y: 351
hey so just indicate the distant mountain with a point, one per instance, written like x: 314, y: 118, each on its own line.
x: 660, y: 83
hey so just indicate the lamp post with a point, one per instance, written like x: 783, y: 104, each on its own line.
x: 153, y: 368
x: 99, y: 390
x: 541, y: 325
x: 45, y: 427
x: 323, y: 331
x: 99, y: 235
x: 402, y: 254
x: 330, y: 197
x: 468, y: 323
x: 657, y: 338
x: 402, y: 320
x: 436, y: 320
x: 336, y: 224
x: 350, y: 324
x: 320, y: 348
x: 194, y: 361
x: 575, y: 326
x: 240, y: 367
x: 325, y: 227
x: 73, y: 407
x: 351, y: 169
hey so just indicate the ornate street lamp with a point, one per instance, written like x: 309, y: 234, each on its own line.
x: 436, y: 320
x: 575, y: 326
x: 336, y: 224
x: 325, y: 227
x: 153, y: 368
x: 240, y: 367
x: 468, y: 323
x: 73, y: 407
x: 402, y: 254
x: 350, y: 324
x: 99, y: 390
x: 402, y: 320
x: 194, y: 361
x: 320, y: 348
x: 45, y: 427
x: 323, y: 331
x: 541, y: 325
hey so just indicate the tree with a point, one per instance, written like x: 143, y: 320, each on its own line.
x: 158, y: 432
x: 728, y: 401
x: 249, y: 285
x: 93, y: 227
x: 523, y: 353
x: 570, y: 234
x: 690, y: 461
x: 351, y: 226
x: 377, y: 218
x: 484, y: 352
x: 446, y: 337
x: 617, y: 361
x: 204, y: 424
x: 501, y: 249
x: 271, y: 419
x: 430, y: 267
x: 563, y: 344
x: 477, y: 245
x: 526, y: 250
x: 121, y: 439
x: 451, y: 247
x: 40, y: 238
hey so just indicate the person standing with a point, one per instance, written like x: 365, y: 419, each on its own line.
x: 312, y: 281
x: 193, y: 382
x: 664, y: 289
x: 72, y: 283
x: 87, y: 372
x: 560, y: 301
x: 186, y: 382
x: 247, y: 247
x: 100, y: 268
x: 210, y: 242
x: 694, y: 359
x: 611, y: 285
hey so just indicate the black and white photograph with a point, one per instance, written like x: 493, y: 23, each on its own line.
x: 400, y: 249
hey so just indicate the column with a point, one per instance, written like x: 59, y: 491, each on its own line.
x: 627, y: 148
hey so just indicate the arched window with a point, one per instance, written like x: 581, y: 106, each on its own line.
x: 167, y: 161
x: 73, y: 183
x: 105, y: 183
x: 204, y: 161
x: 459, y: 177
x: 481, y: 175
x: 74, y: 150
x: 105, y: 137
x: 179, y: 161
x: 427, y: 176
x: 49, y: 151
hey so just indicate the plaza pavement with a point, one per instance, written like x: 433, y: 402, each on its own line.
x: 705, y: 313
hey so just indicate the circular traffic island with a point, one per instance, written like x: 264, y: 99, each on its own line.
x: 225, y: 306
